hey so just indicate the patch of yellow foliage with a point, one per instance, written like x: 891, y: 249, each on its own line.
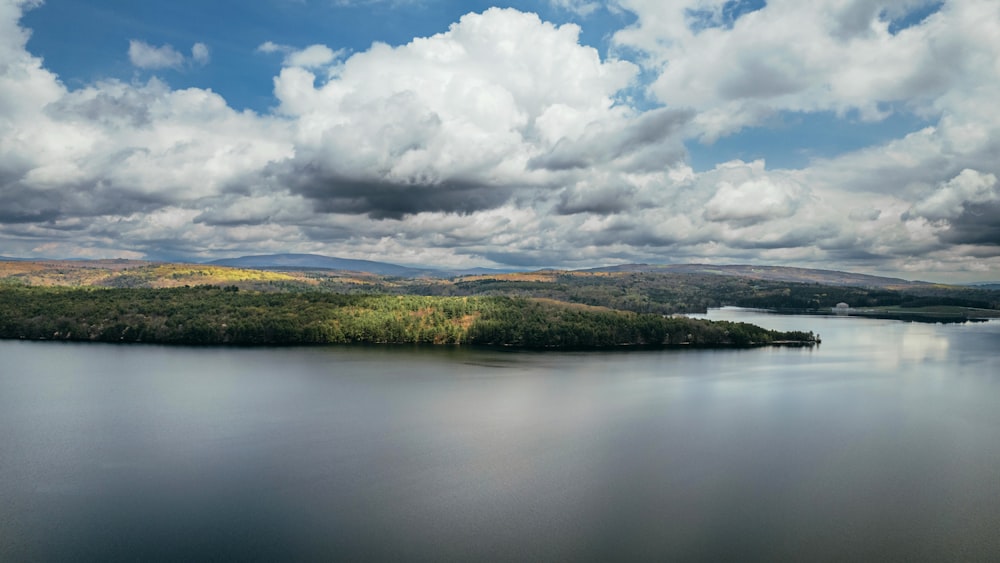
x: 177, y: 275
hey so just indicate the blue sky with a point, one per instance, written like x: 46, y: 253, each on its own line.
x: 570, y: 133
x: 85, y: 41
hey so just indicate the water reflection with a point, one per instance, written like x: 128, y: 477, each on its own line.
x: 880, y: 444
x: 888, y: 344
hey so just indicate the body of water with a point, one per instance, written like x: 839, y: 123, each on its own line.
x: 883, y: 443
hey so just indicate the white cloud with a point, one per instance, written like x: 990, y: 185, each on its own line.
x: 144, y: 55
x: 751, y: 202
x: 313, y: 56
x: 272, y: 47
x: 579, y: 7
x: 447, y: 120
x: 951, y: 198
x: 809, y: 56
x: 200, y: 53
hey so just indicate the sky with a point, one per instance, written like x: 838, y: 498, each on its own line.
x: 858, y: 135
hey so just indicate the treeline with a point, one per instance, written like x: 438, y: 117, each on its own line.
x: 534, y: 323
x: 662, y: 293
x: 212, y: 315
x: 667, y: 293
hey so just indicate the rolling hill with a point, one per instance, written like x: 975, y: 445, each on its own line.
x: 640, y: 288
x: 319, y: 262
x: 770, y: 273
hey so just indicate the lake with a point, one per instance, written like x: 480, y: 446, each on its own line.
x: 883, y: 443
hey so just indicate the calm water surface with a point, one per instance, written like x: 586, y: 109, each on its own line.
x: 881, y: 444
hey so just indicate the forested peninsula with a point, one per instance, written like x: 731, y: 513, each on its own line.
x: 306, y: 302
x: 226, y: 315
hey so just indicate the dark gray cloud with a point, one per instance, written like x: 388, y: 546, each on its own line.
x: 236, y: 210
x: 855, y: 255
x: 222, y: 218
x: 855, y: 19
x: 758, y: 78
x: 527, y: 258
x: 565, y: 155
x: 652, y: 127
x: 641, y: 235
x: 19, y: 204
x: 378, y: 198
x: 978, y: 224
x: 23, y: 203
x: 798, y: 237
x: 651, y: 141
x: 17, y: 212
x: 603, y: 200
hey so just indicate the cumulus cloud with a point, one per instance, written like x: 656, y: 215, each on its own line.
x: 144, y: 55
x: 952, y: 198
x: 843, y: 57
x: 311, y: 57
x: 963, y: 210
x: 650, y: 141
x: 81, y: 165
x: 503, y: 139
x: 448, y: 122
x: 750, y: 202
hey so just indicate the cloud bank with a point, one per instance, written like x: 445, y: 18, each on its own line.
x: 504, y: 140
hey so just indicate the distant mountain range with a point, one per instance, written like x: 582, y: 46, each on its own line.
x: 320, y: 262
x: 770, y: 273
x: 301, y: 262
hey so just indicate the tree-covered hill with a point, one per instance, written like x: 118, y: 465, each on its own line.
x: 667, y: 293
x: 660, y: 290
x: 213, y: 315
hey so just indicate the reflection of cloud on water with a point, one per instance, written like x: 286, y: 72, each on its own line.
x: 888, y: 345
x: 916, y: 343
x: 866, y: 342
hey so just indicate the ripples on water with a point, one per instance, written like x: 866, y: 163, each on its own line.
x: 882, y: 443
